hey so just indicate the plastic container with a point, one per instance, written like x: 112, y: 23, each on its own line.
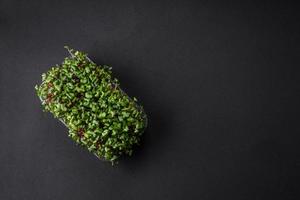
x: 145, y: 115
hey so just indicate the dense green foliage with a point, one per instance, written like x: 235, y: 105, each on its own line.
x: 88, y: 100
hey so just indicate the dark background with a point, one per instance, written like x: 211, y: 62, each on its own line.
x: 219, y: 81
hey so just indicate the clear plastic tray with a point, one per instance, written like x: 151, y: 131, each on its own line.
x: 146, y: 118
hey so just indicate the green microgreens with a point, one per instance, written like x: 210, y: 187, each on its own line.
x: 88, y: 100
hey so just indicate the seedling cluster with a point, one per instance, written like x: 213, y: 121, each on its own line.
x: 89, y: 101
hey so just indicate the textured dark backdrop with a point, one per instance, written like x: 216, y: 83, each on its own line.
x: 219, y: 82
